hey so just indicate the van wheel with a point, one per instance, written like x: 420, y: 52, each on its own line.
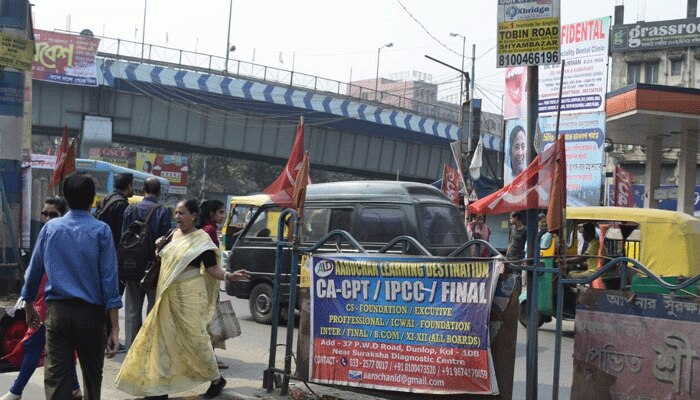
x: 261, y: 303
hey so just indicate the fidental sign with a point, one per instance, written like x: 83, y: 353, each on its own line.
x: 656, y: 35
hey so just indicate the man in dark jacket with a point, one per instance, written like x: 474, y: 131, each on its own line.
x: 111, y: 208
x: 159, y: 224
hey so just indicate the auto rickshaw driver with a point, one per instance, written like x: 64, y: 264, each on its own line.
x: 586, y: 264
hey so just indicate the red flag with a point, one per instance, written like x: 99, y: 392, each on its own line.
x: 531, y: 189
x: 299, y: 194
x: 282, y: 189
x: 61, y: 153
x: 623, y: 195
x: 450, y: 183
x: 557, y: 195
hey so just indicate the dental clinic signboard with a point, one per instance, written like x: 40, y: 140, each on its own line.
x: 656, y: 35
x: 528, y: 33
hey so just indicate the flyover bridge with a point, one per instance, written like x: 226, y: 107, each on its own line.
x: 189, y: 102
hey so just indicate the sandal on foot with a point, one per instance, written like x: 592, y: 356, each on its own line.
x: 215, y: 388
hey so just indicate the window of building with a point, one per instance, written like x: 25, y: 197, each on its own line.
x: 676, y: 67
x: 651, y: 73
x: 634, y: 73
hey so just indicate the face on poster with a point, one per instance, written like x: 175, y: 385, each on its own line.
x: 145, y: 162
x: 585, y: 136
x: 515, y: 101
x: 515, y: 149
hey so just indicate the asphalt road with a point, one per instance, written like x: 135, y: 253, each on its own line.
x: 247, y: 357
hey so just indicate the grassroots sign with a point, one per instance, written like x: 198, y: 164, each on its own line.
x: 528, y: 32
x: 404, y: 324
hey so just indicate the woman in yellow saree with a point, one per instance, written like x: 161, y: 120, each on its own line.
x: 172, y: 352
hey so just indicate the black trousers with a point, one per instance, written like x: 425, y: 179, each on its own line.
x: 74, y: 324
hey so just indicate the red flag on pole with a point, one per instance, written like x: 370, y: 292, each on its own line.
x: 529, y: 190
x: 299, y: 194
x: 450, y: 183
x: 282, y: 189
x: 623, y: 194
x: 61, y: 154
x: 557, y: 195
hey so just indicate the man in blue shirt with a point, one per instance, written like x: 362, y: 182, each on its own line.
x: 77, y: 254
x: 159, y: 225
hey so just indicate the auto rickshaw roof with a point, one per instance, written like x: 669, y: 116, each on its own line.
x: 670, y: 240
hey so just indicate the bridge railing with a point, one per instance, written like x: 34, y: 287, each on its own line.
x: 156, y: 54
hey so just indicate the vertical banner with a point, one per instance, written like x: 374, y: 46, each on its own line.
x: 645, y: 347
x: 515, y: 148
x: 64, y: 58
x: 624, y: 196
x: 585, y: 137
x: 584, y: 46
x: 417, y: 325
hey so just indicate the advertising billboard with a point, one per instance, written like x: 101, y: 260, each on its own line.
x: 528, y: 33
x: 64, y: 58
x: 174, y: 168
x: 656, y: 35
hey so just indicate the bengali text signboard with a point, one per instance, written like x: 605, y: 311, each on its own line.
x: 64, y: 58
x: 528, y: 33
x: 404, y: 324
x: 585, y: 137
x: 649, y: 343
x: 585, y: 48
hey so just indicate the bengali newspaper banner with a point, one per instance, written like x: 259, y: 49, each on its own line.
x: 584, y: 46
x: 528, y: 33
x: 648, y: 344
x: 64, y: 58
x: 416, y: 325
x: 585, y: 137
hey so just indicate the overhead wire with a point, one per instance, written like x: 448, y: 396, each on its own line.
x: 426, y: 29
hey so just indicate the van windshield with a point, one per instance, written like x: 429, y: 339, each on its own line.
x: 442, y: 225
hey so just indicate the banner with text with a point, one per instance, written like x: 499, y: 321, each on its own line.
x: 585, y: 137
x: 64, y: 58
x: 112, y: 155
x: 584, y: 46
x: 647, y: 343
x: 409, y: 324
x: 174, y: 168
x: 528, y: 33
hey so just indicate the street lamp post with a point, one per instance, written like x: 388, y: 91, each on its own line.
x: 461, y: 76
x: 376, y: 80
x: 143, y: 31
x: 229, y: 48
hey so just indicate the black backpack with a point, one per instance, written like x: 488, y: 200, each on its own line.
x: 106, y: 204
x: 136, y: 248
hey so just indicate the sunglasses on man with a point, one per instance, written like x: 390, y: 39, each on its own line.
x: 49, y: 214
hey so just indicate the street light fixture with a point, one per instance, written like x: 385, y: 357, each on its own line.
x: 376, y: 80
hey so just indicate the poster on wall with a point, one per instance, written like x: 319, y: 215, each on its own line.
x: 402, y: 324
x: 584, y: 46
x: 585, y: 138
x: 64, y: 58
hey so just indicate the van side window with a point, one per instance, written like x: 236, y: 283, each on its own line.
x: 265, y: 225
x: 380, y: 224
x: 318, y: 222
x: 439, y: 225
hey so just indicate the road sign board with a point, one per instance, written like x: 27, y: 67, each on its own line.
x: 528, y: 33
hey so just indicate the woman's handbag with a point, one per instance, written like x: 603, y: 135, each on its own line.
x: 223, y: 325
x: 150, y: 278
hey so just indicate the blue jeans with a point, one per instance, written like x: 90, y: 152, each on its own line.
x: 32, y: 352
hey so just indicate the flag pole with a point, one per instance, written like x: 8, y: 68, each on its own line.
x: 562, y: 238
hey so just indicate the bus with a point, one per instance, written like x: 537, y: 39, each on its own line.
x: 104, y: 174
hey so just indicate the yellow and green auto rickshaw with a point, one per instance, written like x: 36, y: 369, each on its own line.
x: 667, y: 243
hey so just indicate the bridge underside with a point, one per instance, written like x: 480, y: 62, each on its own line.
x: 189, y: 121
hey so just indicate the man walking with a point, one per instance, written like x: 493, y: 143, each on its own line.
x: 77, y: 254
x: 158, y: 225
x: 111, y: 208
x: 517, y: 237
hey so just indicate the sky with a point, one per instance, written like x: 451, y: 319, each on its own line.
x: 332, y: 39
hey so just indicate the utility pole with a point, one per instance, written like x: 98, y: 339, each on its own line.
x: 471, y: 102
x: 143, y: 31
x: 228, y: 35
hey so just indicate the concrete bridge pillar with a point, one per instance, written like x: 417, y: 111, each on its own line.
x: 652, y: 172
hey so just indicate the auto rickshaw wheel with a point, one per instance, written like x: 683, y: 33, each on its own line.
x: 522, y: 316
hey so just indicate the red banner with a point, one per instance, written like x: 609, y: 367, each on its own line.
x: 450, y: 183
x: 623, y: 194
x: 64, y: 58
x: 116, y: 156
